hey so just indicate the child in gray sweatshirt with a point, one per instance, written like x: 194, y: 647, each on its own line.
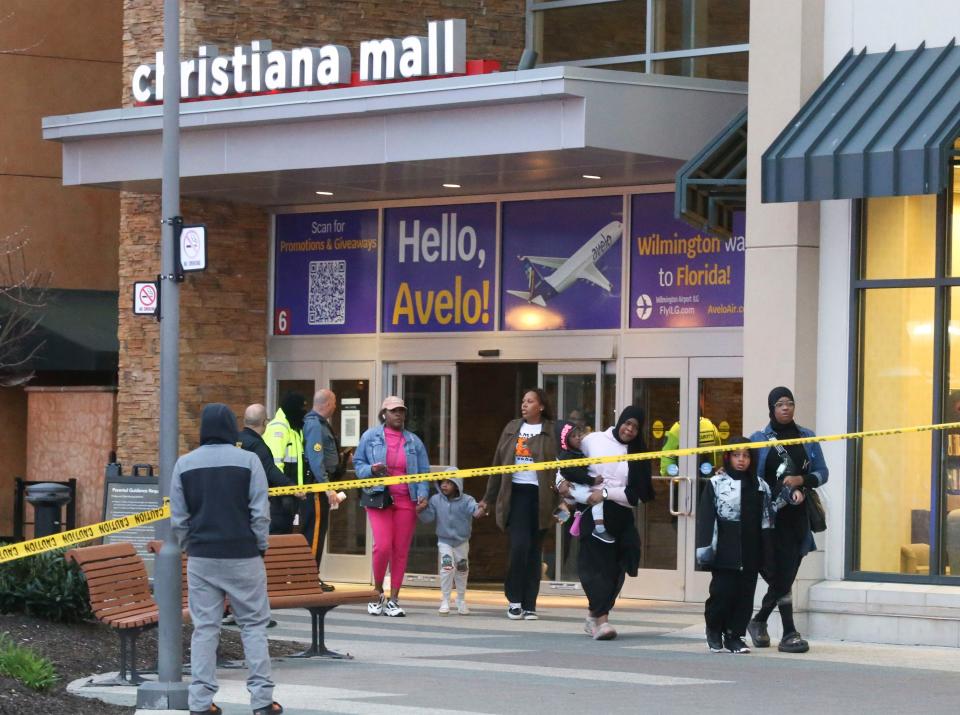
x: 454, y: 513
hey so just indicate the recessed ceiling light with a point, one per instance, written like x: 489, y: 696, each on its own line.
x: 592, y: 176
x: 324, y: 193
x: 451, y: 186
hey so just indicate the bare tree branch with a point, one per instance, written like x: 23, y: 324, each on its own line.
x: 23, y: 296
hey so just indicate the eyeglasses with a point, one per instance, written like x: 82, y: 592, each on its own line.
x: 784, y: 403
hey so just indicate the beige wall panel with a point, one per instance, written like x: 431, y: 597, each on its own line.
x: 80, y: 29
x: 55, y: 418
x: 36, y: 87
x: 72, y: 232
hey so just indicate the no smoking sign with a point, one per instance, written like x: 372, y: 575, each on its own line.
x: 146, y: 298
x: 193, y: 248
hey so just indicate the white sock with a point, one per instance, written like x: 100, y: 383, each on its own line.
x: 599, y: 528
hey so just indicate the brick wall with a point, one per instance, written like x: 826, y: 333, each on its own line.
x: 223, y: 320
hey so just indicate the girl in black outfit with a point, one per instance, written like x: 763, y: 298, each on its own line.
x: 734, y: 524
x: 796, y: 467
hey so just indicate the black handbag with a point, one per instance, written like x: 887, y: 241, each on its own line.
x: 815, y: 512
x: 375, y: 500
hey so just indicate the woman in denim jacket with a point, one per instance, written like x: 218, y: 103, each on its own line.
x: 390, y: 450
x: 804, y: 468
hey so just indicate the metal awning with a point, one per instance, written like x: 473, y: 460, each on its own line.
x: 530, y: 130
x: 713, y: 184
x: 881, y: 124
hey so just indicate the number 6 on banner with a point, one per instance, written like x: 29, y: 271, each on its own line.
x: 281, y: 321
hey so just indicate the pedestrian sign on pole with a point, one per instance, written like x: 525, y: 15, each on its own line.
x: 146, y: 298
x: 193, y: 248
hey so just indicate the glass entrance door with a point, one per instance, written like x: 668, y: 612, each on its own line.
x: 688, y: 401
x: 429, y: 391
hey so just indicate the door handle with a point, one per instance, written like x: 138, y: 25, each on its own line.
x: 674, y: 482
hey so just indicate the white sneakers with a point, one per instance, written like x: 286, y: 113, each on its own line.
x: 392, y: 608
x: 375, y: 608
x: 604, y: 632
x: 461, y: 608
x: 590, y: 626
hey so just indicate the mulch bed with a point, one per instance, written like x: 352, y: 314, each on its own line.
x: 85, y: 649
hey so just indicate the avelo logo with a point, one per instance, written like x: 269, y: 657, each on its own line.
x: 644, y: 306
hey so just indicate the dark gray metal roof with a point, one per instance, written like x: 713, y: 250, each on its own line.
x: 713, y: 184
x: 881, y: 124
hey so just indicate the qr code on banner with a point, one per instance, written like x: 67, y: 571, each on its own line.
x: 327, y: 300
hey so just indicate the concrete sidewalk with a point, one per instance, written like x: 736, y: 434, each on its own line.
x: 485, y: 663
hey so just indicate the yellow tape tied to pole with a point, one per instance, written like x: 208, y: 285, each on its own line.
x: 11, y: 552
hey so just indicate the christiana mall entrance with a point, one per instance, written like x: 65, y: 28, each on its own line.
x: 459, y: 407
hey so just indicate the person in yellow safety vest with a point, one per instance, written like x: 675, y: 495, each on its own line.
x: 709, y: 436
x: 284, y: 436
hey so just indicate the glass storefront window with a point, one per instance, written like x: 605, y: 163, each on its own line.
x: 896, y: 369
x: 954, y: 248
x: 732, y: 67
x: 900, y: 237
x: 348, y: 523
x: 693, y: 24
x: 586, y: 31
x: 950, y: 496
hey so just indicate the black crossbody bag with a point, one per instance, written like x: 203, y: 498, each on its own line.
x: 816, y: 514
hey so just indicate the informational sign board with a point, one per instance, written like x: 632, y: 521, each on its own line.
x: 681, y: 277
x: 561, y: 264
x: 146, y: 298
x: 124, y: 495
x: 439, y: 268
x: 325, y: 280
x: 350, y: 422
x: 193, y: 248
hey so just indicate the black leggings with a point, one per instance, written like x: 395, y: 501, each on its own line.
x: 787, y: 555
x: 522, y: 584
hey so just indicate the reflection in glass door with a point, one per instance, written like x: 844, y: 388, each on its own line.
x: 574, y: 392
x: 429, y: 391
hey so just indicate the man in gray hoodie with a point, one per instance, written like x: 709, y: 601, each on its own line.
x: 454, y: 513
x: 220, y: 514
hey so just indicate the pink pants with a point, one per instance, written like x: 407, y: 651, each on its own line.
x: 393, y: 529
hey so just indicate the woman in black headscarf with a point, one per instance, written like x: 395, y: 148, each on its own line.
x: 796, y: 468
x: 602, y: 566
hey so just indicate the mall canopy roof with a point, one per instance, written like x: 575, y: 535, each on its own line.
x: 529, y: 130
x: 712, y: 186
x: 881, y: 124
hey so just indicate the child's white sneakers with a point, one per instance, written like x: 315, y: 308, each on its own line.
x: 444, y: 608
x: 462, y: 608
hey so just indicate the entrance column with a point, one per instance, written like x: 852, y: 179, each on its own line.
x: 782, y: 240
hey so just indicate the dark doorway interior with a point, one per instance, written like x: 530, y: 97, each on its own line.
x: 488, y: 396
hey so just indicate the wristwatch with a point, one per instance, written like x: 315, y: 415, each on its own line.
x: 604, y: 492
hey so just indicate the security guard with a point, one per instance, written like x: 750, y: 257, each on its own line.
x: 323, y: 464
x: 284, y: 437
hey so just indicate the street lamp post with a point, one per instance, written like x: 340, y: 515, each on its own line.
x: 169, y: 692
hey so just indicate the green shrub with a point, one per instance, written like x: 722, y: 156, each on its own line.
x: 21, y: 663
x: 45, y: 586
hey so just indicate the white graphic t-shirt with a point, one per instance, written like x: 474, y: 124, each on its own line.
x: 522, y: 453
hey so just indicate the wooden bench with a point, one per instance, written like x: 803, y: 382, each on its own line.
x: 119, y: 597
x: 292, y: 582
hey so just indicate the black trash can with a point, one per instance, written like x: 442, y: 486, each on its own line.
x: 48, y: 501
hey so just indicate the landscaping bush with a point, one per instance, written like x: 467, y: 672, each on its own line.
x: 45, y: 586
x: 21, y: 663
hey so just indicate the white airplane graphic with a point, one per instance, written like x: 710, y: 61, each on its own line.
x: 581, y: 264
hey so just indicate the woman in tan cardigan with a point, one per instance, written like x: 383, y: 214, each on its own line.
x: 523, y: 500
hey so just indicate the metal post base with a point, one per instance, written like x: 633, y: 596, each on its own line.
x: 162, y: 696
x: 321, y: 652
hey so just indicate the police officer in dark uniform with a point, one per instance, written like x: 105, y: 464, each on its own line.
x: 322, y: 462
x: 282, y: 508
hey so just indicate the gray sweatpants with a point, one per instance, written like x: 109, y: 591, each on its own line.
x: 244, y: 582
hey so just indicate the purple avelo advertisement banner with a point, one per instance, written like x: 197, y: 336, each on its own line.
x: 439, y: 268
x: 681, y: 277
x: 561, y: 264
x: 325, y: 275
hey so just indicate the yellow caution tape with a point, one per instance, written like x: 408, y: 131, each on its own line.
x: 73, y: 537
x: 11, y: 552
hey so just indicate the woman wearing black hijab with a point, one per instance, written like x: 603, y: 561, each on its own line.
x: 602, y: 567
x: 798, y: 467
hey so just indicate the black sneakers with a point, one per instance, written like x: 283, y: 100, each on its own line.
x: 793, y: 643
x: 714, y: 641
x: 735, y: 644
x: 758, y: 634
